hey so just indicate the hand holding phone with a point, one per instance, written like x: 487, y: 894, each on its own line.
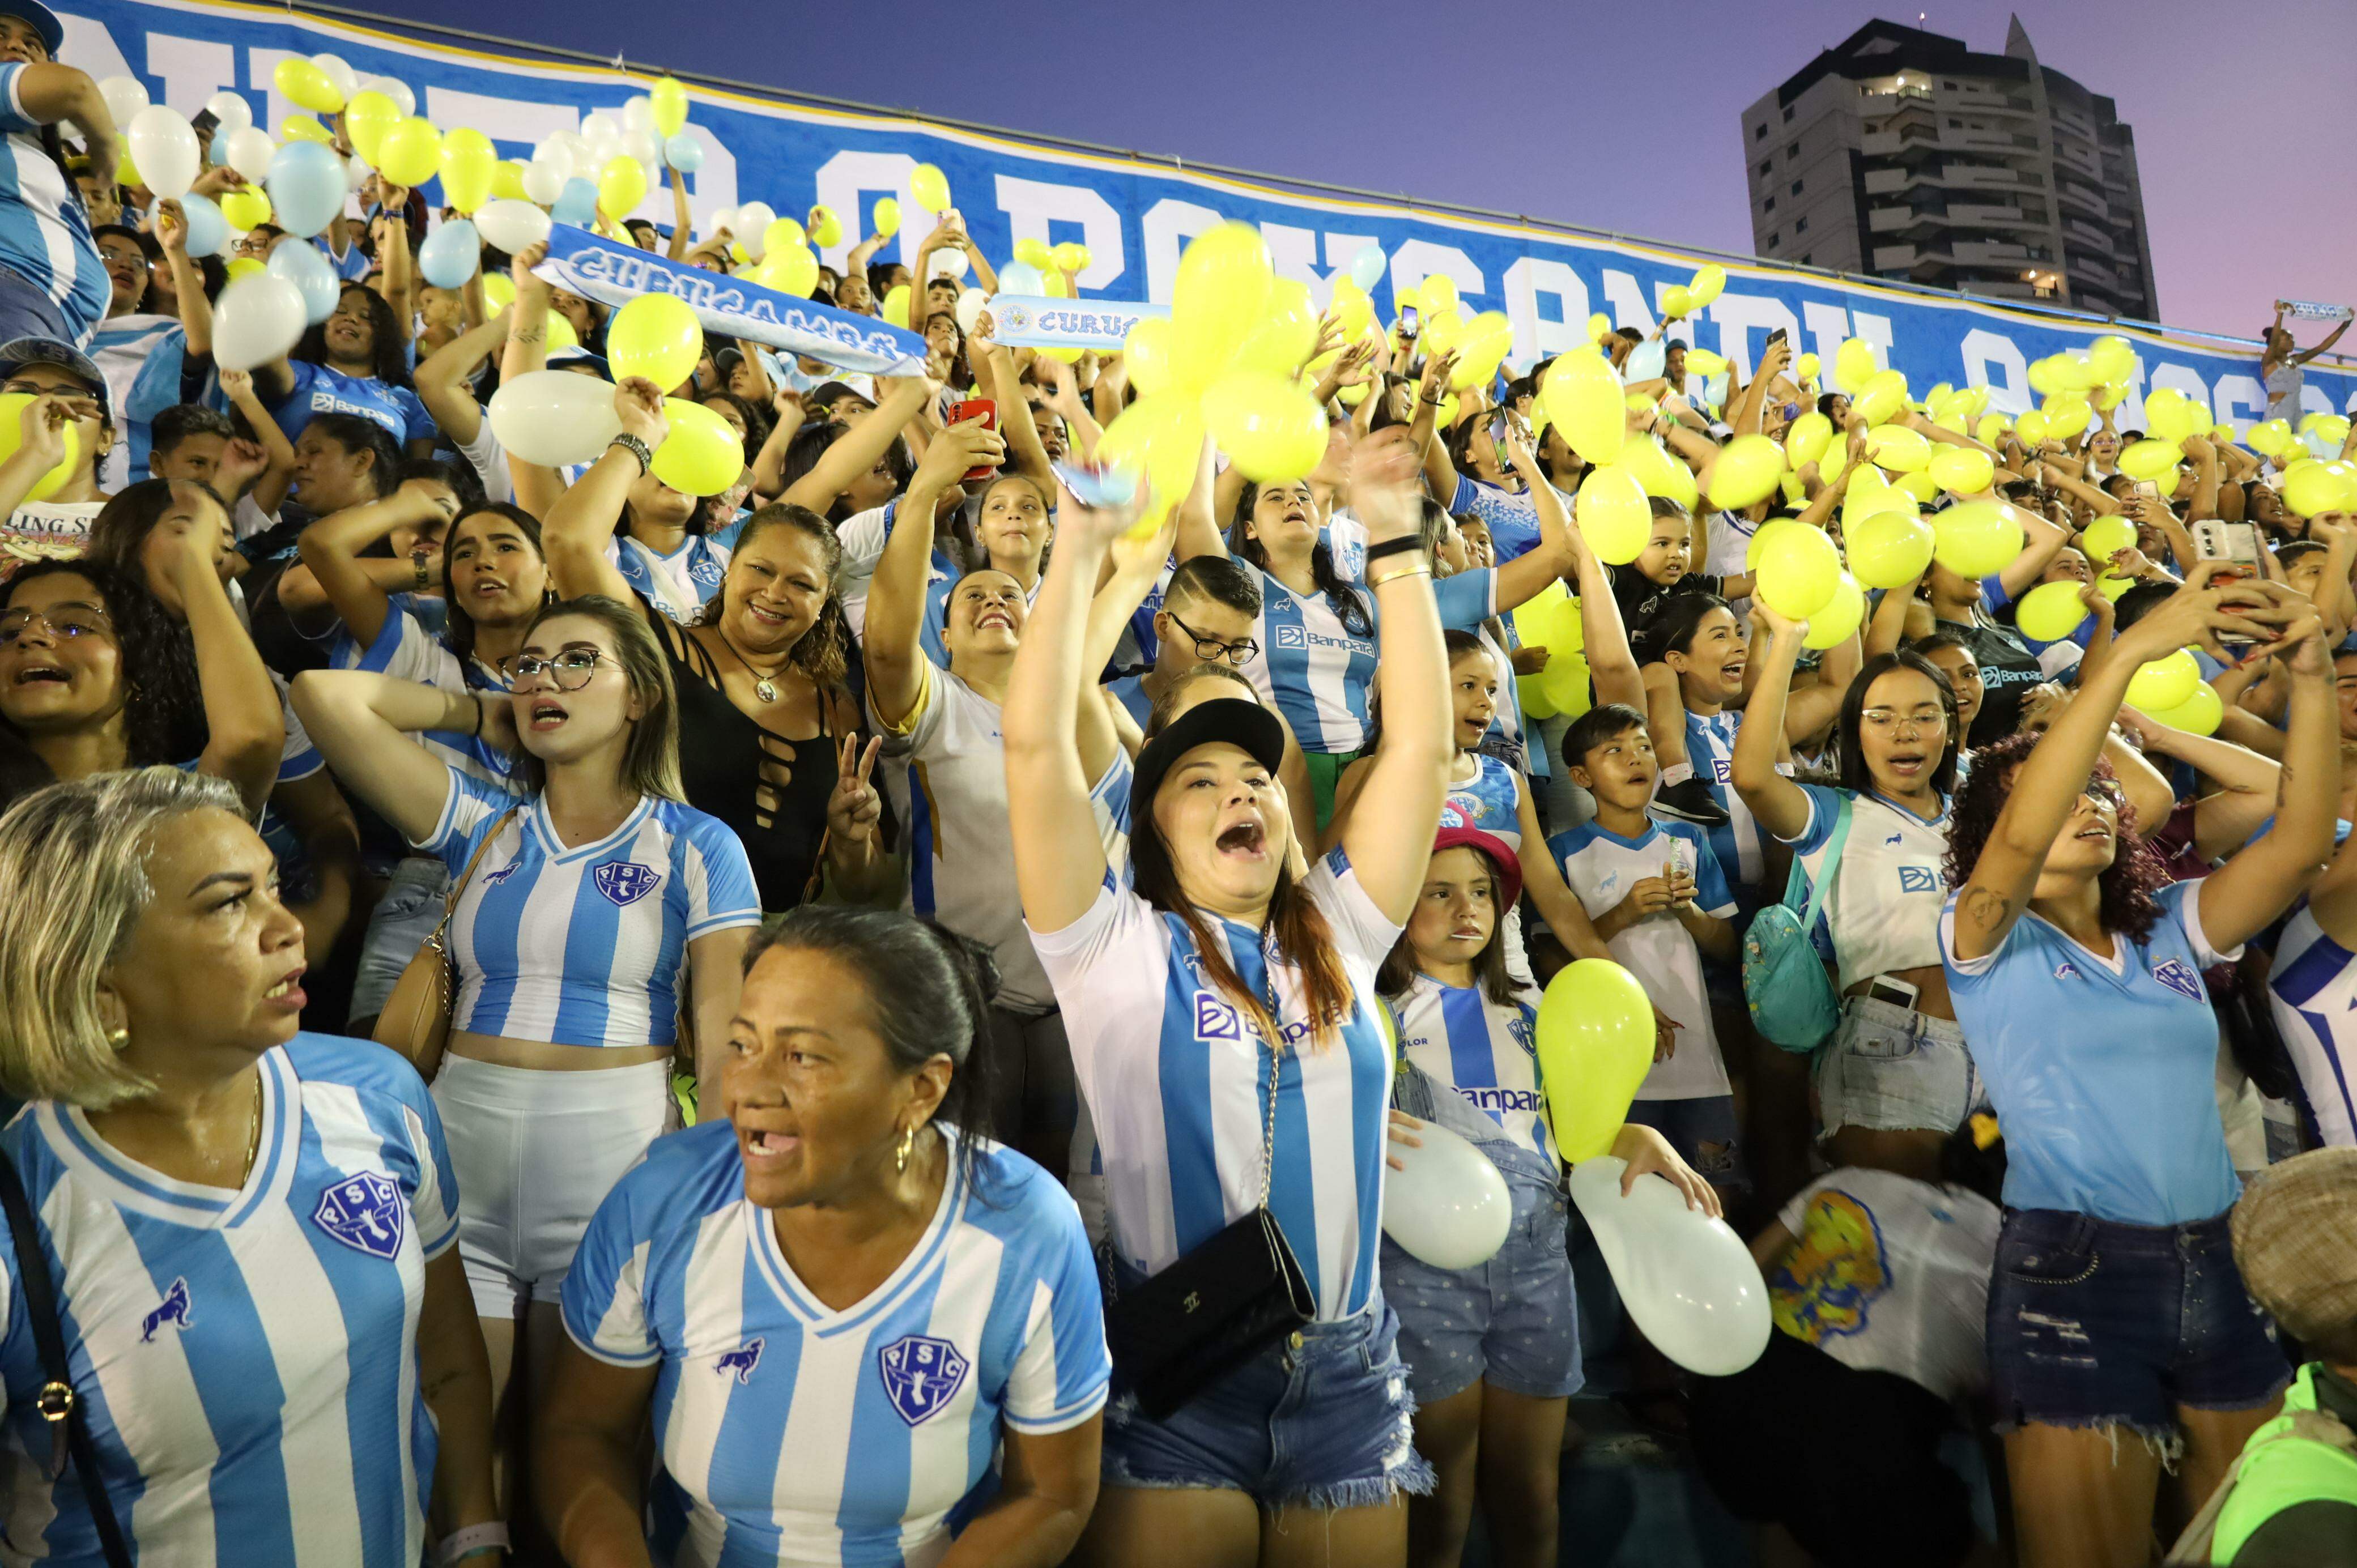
x: 989, y: 411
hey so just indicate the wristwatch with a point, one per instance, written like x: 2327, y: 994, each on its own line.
x: 417, y: 564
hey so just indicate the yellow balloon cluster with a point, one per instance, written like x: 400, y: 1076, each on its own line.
x: 468, y: 164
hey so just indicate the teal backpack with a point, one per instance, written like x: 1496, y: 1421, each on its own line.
x: 1792, y: 1002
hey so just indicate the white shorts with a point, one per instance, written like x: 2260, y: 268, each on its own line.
x: 536, y: 1154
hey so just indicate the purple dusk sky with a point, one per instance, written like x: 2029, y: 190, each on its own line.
x: 1620, y: 117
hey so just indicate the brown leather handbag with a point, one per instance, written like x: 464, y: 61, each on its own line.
x: 417, y: 1017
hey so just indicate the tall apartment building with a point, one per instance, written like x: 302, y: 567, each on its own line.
x: 1901, y: 154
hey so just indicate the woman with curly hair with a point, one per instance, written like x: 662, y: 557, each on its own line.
x: 2075, y: 968
x: 768, y: 732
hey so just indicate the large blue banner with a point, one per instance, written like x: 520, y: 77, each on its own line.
x: 1136, y: 217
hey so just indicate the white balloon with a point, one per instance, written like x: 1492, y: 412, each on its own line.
x: 403, y: 99
x: 230, y: 110
x: 600, y: 127
x: 642, y: 145
x: 249, y: 152
x: 752, y: 227
x: 1449, y: 1207
x: 555, y: 156
x: 544, y: 182
x: 1022, y: 278
x: 638, y: 112
x: 257, y: 319
x: 126, y: 96
x: 950, y: 264
x: 165, y: 147
x: 357, y: 170
x: 1688, y: 1280
x: 554, y: 418
x: 511, y: 225
x: 969, y: 307
x: 719, y: 219
x: 345, y: 81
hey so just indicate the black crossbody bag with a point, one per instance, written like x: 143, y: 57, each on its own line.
x: 59, y: 1404
x: 1208, y: 1314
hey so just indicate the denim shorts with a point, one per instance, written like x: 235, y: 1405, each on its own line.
x: 1891, y: 1069
x: 403, y: 918
x: 1510, y: 1322
x: 2093, y: 1324
x: 1702, y: 1130
x: 1320, y: 1420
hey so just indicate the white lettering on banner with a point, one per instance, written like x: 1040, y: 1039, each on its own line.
x: 1419, y: 259
x: 1536, y: 335
x: 1170, y: 224
x: 1828, y: 325
x: 1741, y: 314
x: 1030, y: 204
x: 2239, y: 400
x: 844, y: 183
x: 1626, y: 301
x: 1986, y: 355
x: 192, y: 69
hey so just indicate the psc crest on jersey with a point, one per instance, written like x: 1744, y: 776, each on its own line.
x: 626, y: 881
x: 921, y: 1374
x: 362, y: 1212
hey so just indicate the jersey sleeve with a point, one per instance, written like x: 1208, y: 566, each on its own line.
x: 1975, y: 968
x: 2181, y: 901
x: 1993, y: 594
x: 1467, y: 599
x: 434, y: 1205
x: 298, y: 758
x: 403, y: 649
x: 1825, y: 810
x: 417, y: 425
x: 468, y: 812
x: 721, y: 894
x: 1333, y: 881
x: 605, y: 1297
x: 1062, y: 1369
x: 13, y: 115
x: 922, y: 723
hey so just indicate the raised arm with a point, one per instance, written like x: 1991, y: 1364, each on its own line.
x: 770, y: 463
x: 331, y: 548
x: 2305, y: 355
x: 444, y: 379
x: 581, y: 523
x: 246, y: 728
x: 49, y: 94
x: 859, y: 448
x: 393, y: 250
x: 1780, y: 805
x: 269, y: 438
x: 890, y: 643
x: 681, y: 218
x: 1023, y: 447
x: 188, y: 282
x: 2042, y: 540
x: 361, y: 722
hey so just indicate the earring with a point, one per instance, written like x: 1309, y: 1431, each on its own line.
x: 908, y: 1146
x: 118, y: 1038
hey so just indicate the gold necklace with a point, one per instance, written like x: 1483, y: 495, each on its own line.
x: 254, y: 1130
x: 764, y: 686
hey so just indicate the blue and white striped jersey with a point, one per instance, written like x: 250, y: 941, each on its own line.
x: 1318, y: 672
x: 1484, y: 1050
x: 1490, y: 800
x: 1176, y: 1083
x: 44, y: 227
x: 584, y: 946
x: 2314, y: 987
x: 1738, y: 842
x: 677, y: 584
x: 792, y: 1433
x: 319, y: 389
x: 247, y: 1361
x: 407, y: 650
x: 119, y: 348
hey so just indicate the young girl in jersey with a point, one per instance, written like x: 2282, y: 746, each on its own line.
x: 1264, y: 984
x: 1492, y: 1352
x: 1894, y: 1078
x: 248, y: 1229
x: 2076, y: 973
x: 588, y: 896
x: 918, y: 1343
x: 357, y: 361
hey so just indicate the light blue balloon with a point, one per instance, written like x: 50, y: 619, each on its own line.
x: 207, y: 229
x: 577, y: 203
x: 307, y: 187
x: 684, y: 153
x: 450, y: 254
x: 1646, y: 362
x: 1367, y: 266
x: 300, y: 263
x: 1023, y: 278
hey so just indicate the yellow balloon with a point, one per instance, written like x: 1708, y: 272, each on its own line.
x: 1052, y: 284
x: 2067, y: 414
x: 790, y: 269
x: 507, y: 181
x: 1883, y: 394
x: 1597, y: 325
x: 303, y: 128
x: 886, y: 221
x: 2106, y: 537
x: 621, y: 185
x: 1220, y: 297
x: 244, y: 267
x: 2112, y: 357
x: 1963, y: 470
x: 2171, y: 416
x: 469, y: 163
x: 826, y: 228
x: 783, y: 234
x: 366, y: 120
x: 499, y: 292
x: 895, y: 304
x: 1159, y: 436
x: 1146, y: 352
x: 410, y: 154
x: 1990, y: 430
x: 2112, y: 587
x: 2109, y: 396
x: 306, y: 85
x: 1702, y: 362
x: 1919, y: 485
x: 1804, y: 368
x: 1976, y: 538
x: 1285, y: 334
x: 2031, y: 426
x: 1443, y: 331
x: 656, y: 336
x: 2148, y: 460
x: 1898, y: 449
x: 1613, y: 514
x: 1660, y: 473
x: 1677, y: 300
x: 1267, y: 422
x: 1072, y: 256
x: 1439, y: 293
x: 561, y: 335
x: 2165, y: 682
x: 703, y: 454
x: 1706, y: 285
x: 1531, y: 690
x: 1840, y: 617
x: 2315, y: 487
x: 1888, y: 549
x: 1535, y: 617
x: 1034, y: 253
x: 1764, y: 537
x: 931, y: 187
x: 1806, y: 440
x: 11, y: 436
x: 1746, y: 472
x: 1855, y: 364
x: 244, y: 209
x: 1799, y: 571
x: 2051, y: 611
x: 668, y: 101
x: 1595, y: 1044
x: 1564, y: 684
x: 2198, y: 714
x: 1582, y: 396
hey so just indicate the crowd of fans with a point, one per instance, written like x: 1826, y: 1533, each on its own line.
x: 868, y: 954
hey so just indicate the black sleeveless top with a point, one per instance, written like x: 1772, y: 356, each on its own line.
x: 771, y: 790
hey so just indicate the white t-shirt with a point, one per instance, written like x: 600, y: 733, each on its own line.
x: 47, y: 530
x: 1890, y: 1275
x: 1882, y: 913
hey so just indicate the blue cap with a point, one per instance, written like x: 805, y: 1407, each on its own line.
x: 45, y: 21
x: 35, y: 351
x: 562, y: 359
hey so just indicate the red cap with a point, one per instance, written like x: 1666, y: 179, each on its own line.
x: 1510, y: 869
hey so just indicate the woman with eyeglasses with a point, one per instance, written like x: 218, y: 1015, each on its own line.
x: 581, y: 903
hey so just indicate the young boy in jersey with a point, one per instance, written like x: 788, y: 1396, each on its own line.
x: 1655, y: 894
x: 1644, y: 589
x: 1209, y: 609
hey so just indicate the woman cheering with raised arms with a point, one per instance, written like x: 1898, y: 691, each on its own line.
x: 1226, y: 1032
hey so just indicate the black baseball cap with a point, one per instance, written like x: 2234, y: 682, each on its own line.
x: 1232, y: 720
